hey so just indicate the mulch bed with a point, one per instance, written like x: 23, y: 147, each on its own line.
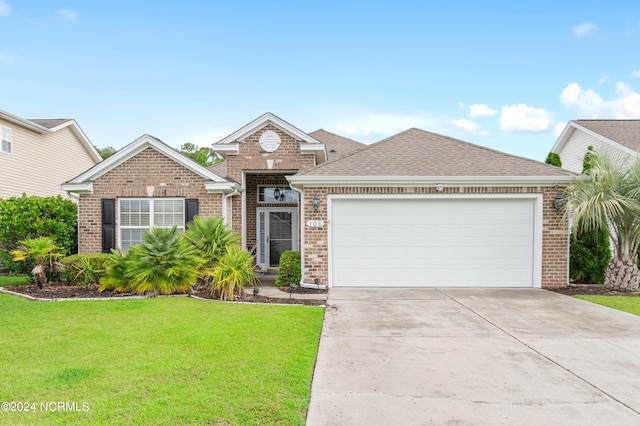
x: 91, y: 292
x: 591, y: 289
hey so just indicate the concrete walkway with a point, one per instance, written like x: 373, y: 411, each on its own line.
x: 474, y: 357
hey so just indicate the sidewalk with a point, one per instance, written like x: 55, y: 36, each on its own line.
x: 268, y: 288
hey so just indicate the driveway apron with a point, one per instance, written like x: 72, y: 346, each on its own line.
x: 474, y: 356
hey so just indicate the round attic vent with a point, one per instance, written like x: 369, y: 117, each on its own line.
x: 269, y: 141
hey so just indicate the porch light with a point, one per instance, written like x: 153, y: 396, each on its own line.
x: 317, y: 282
x: 315, y: 202
x: 292, y: 288
x: 276, y: 193
x: 558, y: 202
x: 440, y: 187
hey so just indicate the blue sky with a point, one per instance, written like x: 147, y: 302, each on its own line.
x: 507, y: 75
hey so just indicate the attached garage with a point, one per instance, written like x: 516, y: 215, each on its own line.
x: 434, y: 241
x: 420, y: 209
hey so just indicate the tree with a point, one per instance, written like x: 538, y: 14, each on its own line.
x: 202, y: 155
x: 608, y: 200
x: 106, y: 152
x: 589, y: 254
x: 43, y: 252
x: 553, y: 159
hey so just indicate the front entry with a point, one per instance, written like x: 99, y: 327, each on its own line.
x: 277, y: 232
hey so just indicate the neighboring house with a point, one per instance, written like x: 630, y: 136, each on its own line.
x: 613, y: 136
x: 36, y: 155
x: 416, y: 209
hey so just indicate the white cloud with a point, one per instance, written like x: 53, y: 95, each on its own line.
x: 584, y: 29
x: 481, y: 110
x: 7, y: 59
x: 558, y: 128
x: 5, y: 9
x: 589, y: 104
x: 603, y: 79
x: 523, y: 118
x: 470, y: 127
x: 68, y: 15
x: 635, y: 73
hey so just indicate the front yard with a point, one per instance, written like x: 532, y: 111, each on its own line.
x: 621, y: 303
x: 156, y: 361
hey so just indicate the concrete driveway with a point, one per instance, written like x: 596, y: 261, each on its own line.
x: 474, y: 356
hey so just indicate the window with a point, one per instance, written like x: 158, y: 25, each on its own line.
x: 139, y: 215
x: 276, y: 194
x: 5, y: 138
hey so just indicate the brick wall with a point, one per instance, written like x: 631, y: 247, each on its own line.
x: 130, y: 179
x: 554, y: 232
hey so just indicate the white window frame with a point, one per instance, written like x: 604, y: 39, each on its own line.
x: 8, y: 141
x: 282, y: 188
x: 152, y: 211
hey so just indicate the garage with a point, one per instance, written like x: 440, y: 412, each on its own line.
x: 446, y: 241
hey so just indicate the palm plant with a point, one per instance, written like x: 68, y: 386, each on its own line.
x: 211, y: 237
x: 43, y: 252
x: 163, y: 263
x: 233, y: 271
x: 608, y: 199
x: 115, y: 272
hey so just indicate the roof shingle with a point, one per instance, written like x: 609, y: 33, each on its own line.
x: 336, y: 145
x: 625, y: 132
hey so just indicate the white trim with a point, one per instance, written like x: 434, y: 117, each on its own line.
x: 230, y: 149
x: 537, y: 225
x: 260, y: 122
x: 243, y: 212
x: 9, y: 140
x: 572, y: 126
x: 80, y: 188
x: 23, y: 122
x: 419, y: 181
x: 294, y: 230
x: 84, y: 139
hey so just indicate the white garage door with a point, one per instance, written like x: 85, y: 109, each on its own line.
x: 439, y: 242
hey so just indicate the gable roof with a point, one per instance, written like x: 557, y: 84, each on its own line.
x: 48, y: 126
x: 624, y: 134
x: 84, y: 182
x: 337, y: 145
x: 416, y: 155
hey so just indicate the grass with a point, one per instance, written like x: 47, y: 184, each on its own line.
x: 157, y: 361
x: 622, y: 303
x: 7, y: 280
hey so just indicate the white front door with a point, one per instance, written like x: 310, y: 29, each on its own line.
x: 277, y: 232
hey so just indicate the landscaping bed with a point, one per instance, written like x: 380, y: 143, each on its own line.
x: 91, y: 292
x: 591, y: 289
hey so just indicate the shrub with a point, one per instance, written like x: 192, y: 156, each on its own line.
x: 115, y: 272
x: 290, y: 270
x: 84, y: 269
x: 233, y: 271
x: 41, y: 252
x: 23, y: 218
x: 164, y: 263
x: 589, y: 256
x: 553, y: 159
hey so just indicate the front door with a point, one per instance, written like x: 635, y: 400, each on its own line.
x: 277, y: 232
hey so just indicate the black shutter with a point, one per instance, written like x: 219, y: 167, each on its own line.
x: 191, y: 206
x: 108, y: 224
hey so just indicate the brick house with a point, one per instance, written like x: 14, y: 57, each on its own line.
x: 416, y: 209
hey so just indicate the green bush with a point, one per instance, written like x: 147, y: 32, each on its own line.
x: 23, y: 218
x: 115, y: 272
x: 553, y: 159
x: 211, y: 237
x: 232, y: 272
x: 84, y: 269
x: 290, y: 270
x: 589, y: 256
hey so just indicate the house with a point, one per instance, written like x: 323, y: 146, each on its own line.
x: 416, y: 209
x: 613, y: 136
x: 36, y: 155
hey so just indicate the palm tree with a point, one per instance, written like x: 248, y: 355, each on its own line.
x: 211, y: 237
x: 233, y: 271
x: 608, y: 199
x: 41, y: 250
x: 163, y: 263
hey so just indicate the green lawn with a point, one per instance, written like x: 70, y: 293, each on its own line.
x: 622, y: 303
x: 157, y: 361
x: 7, y: 280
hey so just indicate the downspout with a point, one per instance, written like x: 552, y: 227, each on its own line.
x: 224, y: 202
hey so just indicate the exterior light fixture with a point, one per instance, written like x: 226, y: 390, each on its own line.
x: 292, y: 288
x: 256, y: 291
x: 277, y: 193
x: 317, y: 282
x: 315, y: 202
x: 558, y: 202
x: 440, y: 187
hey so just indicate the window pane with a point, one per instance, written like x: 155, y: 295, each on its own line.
x: 285, y: 195
x: 131, y: 237
x: 168, y: 213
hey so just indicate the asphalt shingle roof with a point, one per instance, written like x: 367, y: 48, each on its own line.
x: 416, y: 152
x: 625, y: 132
x: 49, y: 123
x: 336, y: 145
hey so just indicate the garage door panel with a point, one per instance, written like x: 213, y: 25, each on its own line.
x: 432, y: 242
